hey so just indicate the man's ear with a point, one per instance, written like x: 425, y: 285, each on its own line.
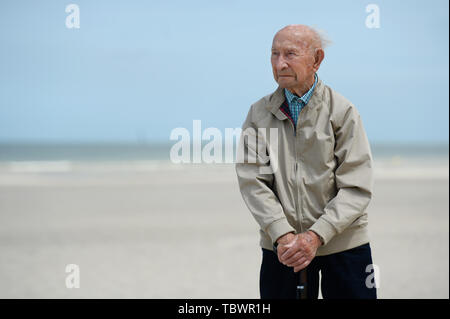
x: 318, y: 58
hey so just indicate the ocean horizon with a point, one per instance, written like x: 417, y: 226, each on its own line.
x: 160, y: 151
x: 390, y: 160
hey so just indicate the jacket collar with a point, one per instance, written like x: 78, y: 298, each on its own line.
x: 292, y: 97
x: 278, y: 97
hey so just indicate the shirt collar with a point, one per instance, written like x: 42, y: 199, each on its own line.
x: 305, y: 98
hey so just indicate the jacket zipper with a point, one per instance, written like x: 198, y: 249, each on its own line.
x: 299, y: 224
x: 298, y: 205
x: 296, y: 197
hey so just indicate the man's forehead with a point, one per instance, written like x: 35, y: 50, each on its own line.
x: 295, y: 35
x: 289, y: 43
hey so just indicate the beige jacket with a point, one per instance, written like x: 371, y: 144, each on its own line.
x: 321, y: 179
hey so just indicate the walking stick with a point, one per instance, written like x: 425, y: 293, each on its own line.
x: 301, y: 285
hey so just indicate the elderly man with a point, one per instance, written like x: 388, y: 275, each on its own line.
x: 311, y: 207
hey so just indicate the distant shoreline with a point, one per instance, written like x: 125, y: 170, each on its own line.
x: 12, y: 152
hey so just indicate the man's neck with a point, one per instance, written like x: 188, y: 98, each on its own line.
x: 300, y: 91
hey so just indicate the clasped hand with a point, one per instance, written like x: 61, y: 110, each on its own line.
x: 298, y: 250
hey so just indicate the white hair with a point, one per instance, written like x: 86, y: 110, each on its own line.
x: 321, y: 37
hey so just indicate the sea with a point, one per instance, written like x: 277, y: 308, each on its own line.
x: 63, y: 157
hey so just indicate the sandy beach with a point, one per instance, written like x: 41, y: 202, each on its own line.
x: 157, y: 230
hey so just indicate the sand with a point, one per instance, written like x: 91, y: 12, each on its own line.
x: 151, y: 230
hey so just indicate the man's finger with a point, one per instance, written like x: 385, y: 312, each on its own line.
x: 297, y: 262
x: 302, y: 266
x: 289, y: 253
x: 290, y: 261
x: 281, y: 249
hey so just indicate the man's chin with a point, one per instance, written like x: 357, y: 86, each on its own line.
x: 286, y: 83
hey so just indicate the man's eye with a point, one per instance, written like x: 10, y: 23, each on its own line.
x: 274, y: 53
x: 291, y: 53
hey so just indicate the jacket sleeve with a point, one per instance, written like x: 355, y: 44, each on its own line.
x: 256, y: 187
x: 353, y: 176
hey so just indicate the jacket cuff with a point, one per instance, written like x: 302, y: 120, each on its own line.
x: 324, y: 229
x: 278, y: 228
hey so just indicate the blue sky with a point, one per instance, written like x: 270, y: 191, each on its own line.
x: 137, y: 69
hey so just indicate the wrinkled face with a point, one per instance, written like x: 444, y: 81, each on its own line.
x: 292, y: 60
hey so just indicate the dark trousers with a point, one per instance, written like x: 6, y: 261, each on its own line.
x: 343, y: 276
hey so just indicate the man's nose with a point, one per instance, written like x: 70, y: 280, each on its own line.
x: 281, y: 63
